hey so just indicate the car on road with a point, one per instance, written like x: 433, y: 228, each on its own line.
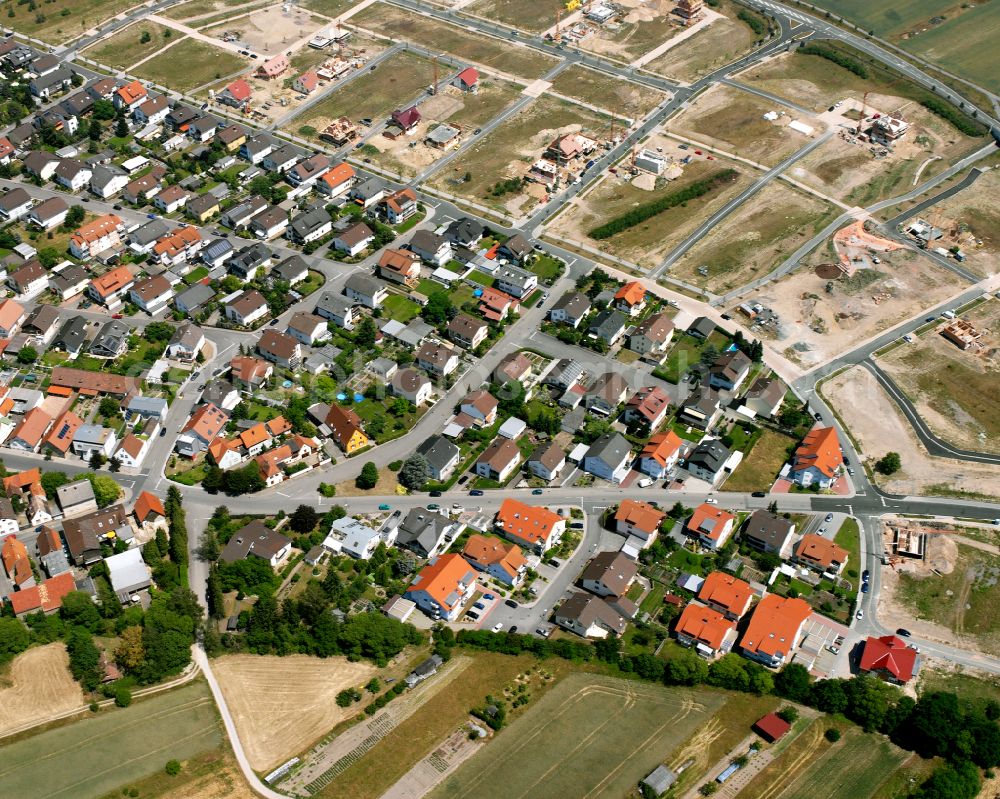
x: 477, y: 131
x: 117, y: 316
x: 850, y: 471
x: 272, y: 323
x: 163, y: 432
x: 818, y: 417
x: 510, y: 603
x: 759, y: 494
x: 117, y: 207
x: 726, y: 316
x: 711, y: 501
x: 513, y: 629
x: 903, y: 632
x: 865, y: 588
x: 433, y: 506
x: 476, y: 492
x: 150, y: 216
x: 435, y: 493
x: 859, y: 615
x: 865, y: 575
x: 829, y: 517
x: 498, y: 627
x: 384, y: 506
x: 537, y: 491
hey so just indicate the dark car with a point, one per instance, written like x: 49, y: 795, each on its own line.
x: 818, y: 417
x: 865, y: 575
x: 759, y: 494
x: 726, y: 316
x: 510, y: 603
x: 476, y: 492
x: 477, y: 131
x: 163, y: 432
x: 272, y: 323
x: 537, y: 491
x: 865, y: 588
x: 117, y: 207
x: 435, y: 493
x: 513, y: 629
x: 903, y: 632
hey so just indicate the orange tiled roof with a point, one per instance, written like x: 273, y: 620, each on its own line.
x: 11, y: 552
x: 726, y: 591
x: 254, y: 435
x: 206, y: 422
x: 819, y: 550
x: 45, y: 597
x: 774, y: 624
x: 704, y: 625
x: 492, y: 551
x: 10, y: 314
x: 337, y: 174
x: 633, y: 293
x: 32, y: 427
x: 132, y: 92
x: 640, y: 514
x: 705, y: 512
x: 270, y: 461
x: 440, y: 579
x: 97, y: 229
x: 278, y: 426
x: 820, y: 448
x: 112, y: 281
x: 146, y: 504
x: 61, y: 435
x: 662, y: 447
x: 22, y: 480
x: 529, y: 523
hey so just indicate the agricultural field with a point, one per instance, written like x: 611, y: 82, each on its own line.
x: 587, y: 723
x: 962, y: 602
x: 760, y: 467
x: 126, y: 47
x: 954, y: 390
x: 754, y: 239
x: 210, y: 775
x: 465, y: 110
x: 278, y: 719
x: 823, y: 313
x: 719, y: 44
x: 190, y: 64
x: 810, y: 767
x: 646, y: 244
x: 733, y: 121
x: 525, y: 15
x: 876, y: 426
x: 61, y: 20
x: 399, y: 80
x: 36, y: 686
x: 388, y: 20
x: 115, y: 747
x: 328, y: 8
x: 606, y: 91
x: 644, y: 28
x: 510, y: 149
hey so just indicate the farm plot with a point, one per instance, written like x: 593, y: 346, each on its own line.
x: 276, y: 719
x: 61, y: 20
x: 954, y: 390
x: 525, y: 15
x: 127, y: 46
x: 509, y: 151
x: 328, y: 8
x: 607, y: 91
x: 733, y: 121
x: 211, y: 775
x: 812, y: 768
x: 115, y: 747
x: 388, y: 20
x: 190, y: 64
x: 400, y: 79
x: 722, y: 42
x: 37, y: 686
x: 755, y: 238
x: 823, y: 313
x: 647, y: 243
x: 590, y: 736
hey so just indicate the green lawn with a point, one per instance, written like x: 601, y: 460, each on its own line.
x: 190, y: 64
x: 400, y: 308
x: 547, y: 268
x: 313, y: 281
x: 760, y: 466
x: 686, y: 353
x: 196, y: 275
x: 849, y: 537
x: 686, y: 560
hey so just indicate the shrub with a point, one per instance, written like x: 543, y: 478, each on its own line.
x: 757, y: 25
x: 832, y: 735
x: 173, y: 767
x: 838, y: 58
x: 123, y: 697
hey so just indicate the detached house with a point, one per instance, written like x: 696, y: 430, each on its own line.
x: 430, y: 247
x: 707, y: 631
x: 308, y: 328
x: 505, y: 563
x: 247, y: 308
x: 774, y: 630
x: 29, y: 280
x: 443, y: 586
x: 534, y: 528
x: 647, y: 406
x: 130, y: 96
x: 48, y: 213
x: 820, y: 554
x: 441, y: 455
x: 152, y: 294
x: 767, y: 532
x: 72, y: 174
x: 609, y: 574
x: 660, y: 455
x: 399, y: 266
x: 517, y: 282
x: 609, y: 457
x: 729, y: 370
x: 399, y: 206
x: 726, y: 594
x: 336, y: 181
x: 109, y: 289
x: 571, y: 308
x: 590, y: 617
x: 437, y: 358
x: 710, y: 525
x: 354, y: 239
x: 467, y: 332
x: 818, y: 459
x: 280, y: 348
x: 310, y: 226
x: 347, y: 430
x: 652, y: 336
x: 14, y: 204
x: 631, y: 298
x: 547, y: 461
x: 412, y: 385
x: 639, y: 519
x: 889, y: 658
x: 499, y: 460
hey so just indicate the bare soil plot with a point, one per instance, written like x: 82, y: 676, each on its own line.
x: 606, y: 91
x: 37, y: 686
x: 955, y: 391
x: 277, y: 718
x: 721, y: 43
x: 101, y: 753
x: 590, y: 736
x: 202, y: 8
x: 508, y: 57
x: 755, y: 238
x: 877, y: 426
x: 645, y: 27
x: 511, y: 149
x: 328, y: 8
x: 190, y: 64
x: 526, y: 15
x: 270, y: 30
x: 648, y: 243
x: 823, y: 315
x: 399, y: 80
x: 126, y: 47
x: 733, y: 121
x: 408, y: 155
x: 46, y: 21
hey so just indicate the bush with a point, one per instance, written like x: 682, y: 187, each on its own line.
x: 173, y: 767
x: 948, y: 112
x: 757, y: 25
x: 123, y: 697
x: 889, y: 463
x: 648, y: 210
x: 789, y: 714
x: 838, y: 58
x: 832, y: 735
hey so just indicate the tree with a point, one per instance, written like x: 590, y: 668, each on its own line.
x: 27, y: 355
x: 97, y: 459
x: 303, y: 519
x: 951, y: 781
x: 121, y: 128
x: 832, y: 735
x: 173, y: 767
x: 158, y: 331
x: 788, y: 713
x: 213, y: 594
x: 368, y: 477
x: 75, y: 216
x: 130, y: 652
x: 364, y: 333
x: 84, y: 658
x: 14, y: 639
x: 414, y: 473
x: 373, y: 686
x: 439, y: 309
x: 123, y: 696
x: 793, y: 682
x: 145, y: 37
x: 103, y: 109
x: 685, y: 669
x: 79, y: 610
x: 889, y: 463
x: 52, y: 481
x: 828, y: 696
x: 106, y: 490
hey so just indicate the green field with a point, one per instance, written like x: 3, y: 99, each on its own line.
x: 591, y: 736
x: 98, y: 754
x: 849, y: 537
x: 760, y: 467
x: 126, y: 47
x: 190, y: 64
x: 59, y: 21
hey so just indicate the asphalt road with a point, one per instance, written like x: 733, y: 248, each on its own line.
x: 951, y: 191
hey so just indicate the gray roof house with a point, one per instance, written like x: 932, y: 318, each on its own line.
x: 128, y: 573
x: 609, y: 326
x: 707, y: 460
x: 71, y: 336
x: 515, y: 281
x: 769, y: 533
x: 292, y: 270
x: 423, y: 531
x: 570, y: 308
x: 441, y: 455
x: 365, y: 289
x: 609, y: 457
x: 217, y: 252
x: 701, y: 409
x: 112, y: 340
x: 336, y: 308
x: 192, y: 299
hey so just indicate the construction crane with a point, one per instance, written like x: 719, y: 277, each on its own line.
x: 864, y: 106
x: 432, y: 89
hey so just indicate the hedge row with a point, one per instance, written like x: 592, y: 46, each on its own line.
x: 948, y: 112
x: 643, y: 212
x: 757, y: 25
x: 848, y: 63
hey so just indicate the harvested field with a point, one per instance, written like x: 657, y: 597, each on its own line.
x: 510, y: 149
x: 733, y: 121
x: 759, y: 469
x: 203, y: 8
x: 399, y: 80
x: 720, y: 43
x: 823, y: 316
x: 190, y: 64
x: 126, y: 47
x: 605, y: 91
x: 755, y: 239
x: 212, y: 775
x: 580, y: 757
x: 525, y: 15
x: 877, y: 426
x: 114, y: 748
x: 328, y: 8
x: 648, y: 243
x: 487, y: 51
x: 46, y: 21
x: 37, y: 686
x: 277, y: 719
x: 954, y: 390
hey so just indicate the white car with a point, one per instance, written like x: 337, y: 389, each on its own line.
x: 859, y: 615
x: 645, y: 482
x: 497, y: 627
x: 712, y: 501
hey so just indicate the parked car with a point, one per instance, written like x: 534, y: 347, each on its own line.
x: 576, y: 525
x: 473, y: 615
x: 435, y: 493
x: 759, y: 494
x: 859, y: 615
x: 476, y: 492
x: 480, y: 605
x: 510, y: 603
x: 545, y: 632
x: 383, y: 506
x: 711, y: 501
x: 865, y: 588
x: 433, y: 506
x: 489, y: 596
x: 497, y: 627
x: 829, y: 517
x: 536, y: 491
x: 513, y: 629
x: 865, y: 575
x: 903, y: 632
x: 163, y: 432
x: 818, y: 417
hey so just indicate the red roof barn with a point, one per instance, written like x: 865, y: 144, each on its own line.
x: 771, y: 727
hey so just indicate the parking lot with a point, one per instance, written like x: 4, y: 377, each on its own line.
x: 820, y: 633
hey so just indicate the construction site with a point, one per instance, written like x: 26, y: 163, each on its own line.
x: 858, y: 247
